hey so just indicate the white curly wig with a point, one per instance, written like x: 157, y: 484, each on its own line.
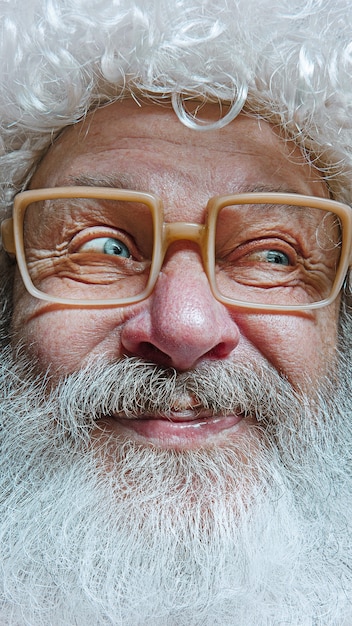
x: 289, y: 61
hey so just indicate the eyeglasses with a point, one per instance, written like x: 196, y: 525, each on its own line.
x: 98, y: 247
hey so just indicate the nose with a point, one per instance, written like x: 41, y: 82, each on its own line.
x: 181, y: 323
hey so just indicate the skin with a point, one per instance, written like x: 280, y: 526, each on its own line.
x: 180, y: 324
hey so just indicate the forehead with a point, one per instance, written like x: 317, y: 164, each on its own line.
x: 147, y: 148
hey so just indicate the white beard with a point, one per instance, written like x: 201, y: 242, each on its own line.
x: 252, y: 533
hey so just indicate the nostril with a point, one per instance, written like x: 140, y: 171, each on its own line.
x: 149, y: 352
x: 220, y: 351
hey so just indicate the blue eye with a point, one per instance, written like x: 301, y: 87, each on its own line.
x: 277, y: 257
x: 106, y: 245
x: 116, y: 247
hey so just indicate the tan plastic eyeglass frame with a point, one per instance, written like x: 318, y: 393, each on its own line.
x: 167, y: 233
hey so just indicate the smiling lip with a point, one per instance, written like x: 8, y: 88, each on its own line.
x: 179, y: 429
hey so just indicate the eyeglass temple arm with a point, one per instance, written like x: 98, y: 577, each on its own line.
x: 7, y: 236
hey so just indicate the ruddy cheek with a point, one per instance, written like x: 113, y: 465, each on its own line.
x: 300, y: 347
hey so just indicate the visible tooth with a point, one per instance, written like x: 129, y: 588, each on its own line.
x: 185, y: 403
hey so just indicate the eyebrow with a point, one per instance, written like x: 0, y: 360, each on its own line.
x: 113, y: 181
x: 262, y: 188
x: 127, y: 181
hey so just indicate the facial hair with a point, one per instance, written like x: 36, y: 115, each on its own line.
x: 255, y: 531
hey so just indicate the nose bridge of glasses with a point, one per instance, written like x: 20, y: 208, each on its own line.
x: 183, y: 231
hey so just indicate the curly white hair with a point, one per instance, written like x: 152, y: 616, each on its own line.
x: 289, y: 61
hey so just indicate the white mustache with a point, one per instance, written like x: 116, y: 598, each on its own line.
x: 136, y: 389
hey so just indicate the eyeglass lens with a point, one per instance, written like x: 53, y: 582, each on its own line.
x: 276, y: 254
x: 83, y: 248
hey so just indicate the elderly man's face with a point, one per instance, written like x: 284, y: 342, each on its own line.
x: 180, y: 325
x: 186, y: 461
